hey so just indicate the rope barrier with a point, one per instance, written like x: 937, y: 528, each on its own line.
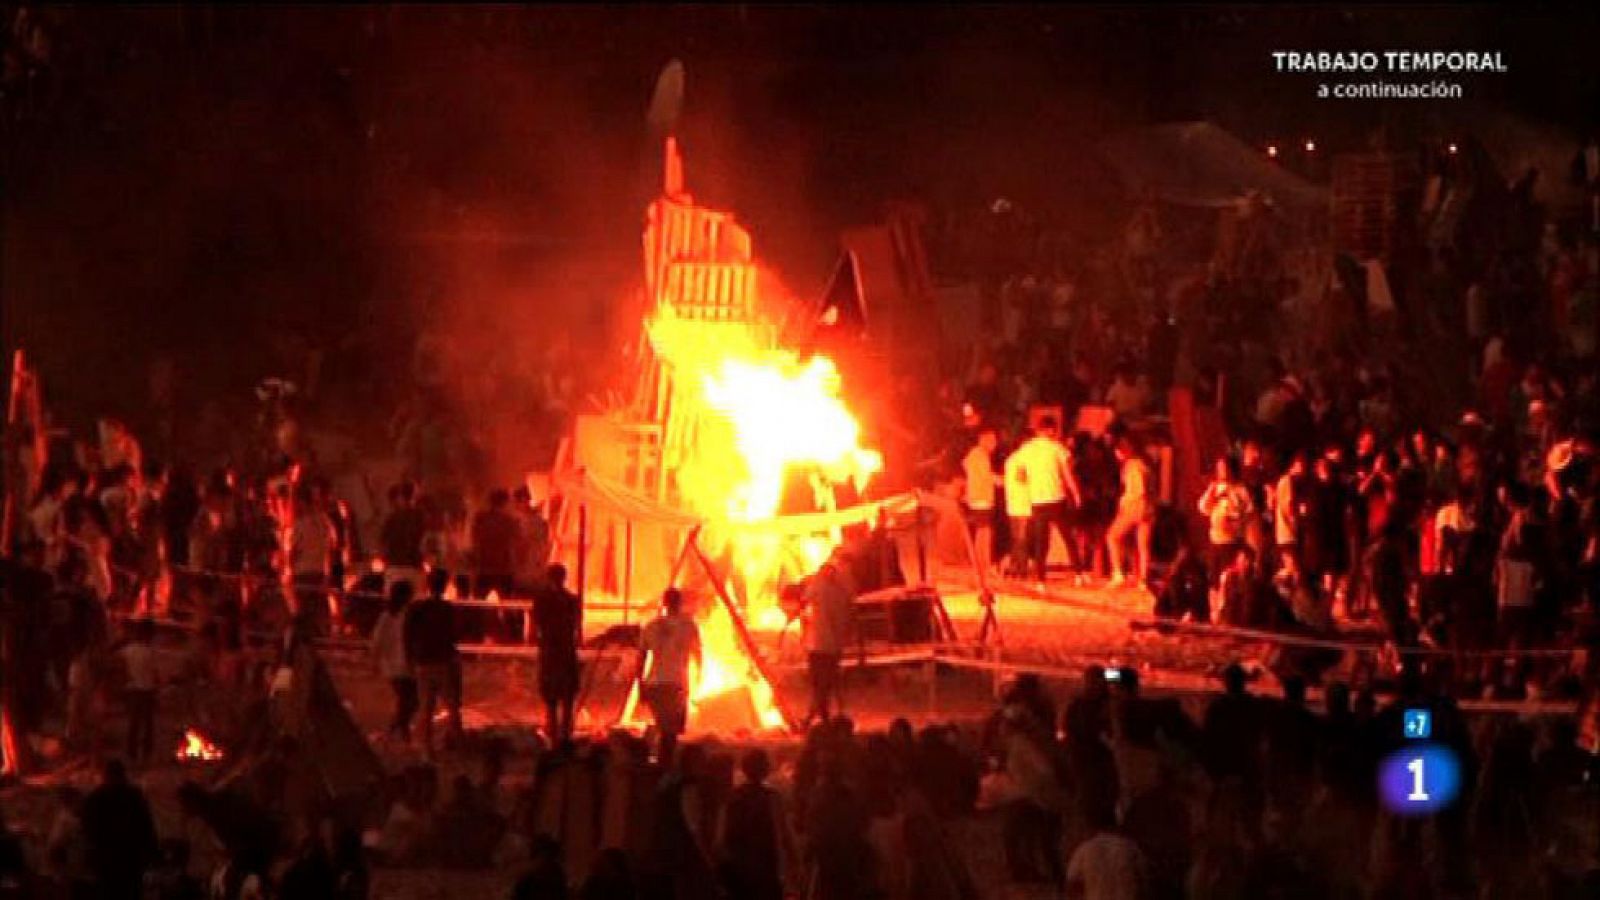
x: 1258, y: 635
x: 362, y: 645
x: 256, y: 579
x: 944, y: 654
x: 1009, y: 586
x: 1538, y: 707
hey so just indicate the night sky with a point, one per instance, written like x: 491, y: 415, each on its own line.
x: 209, y: 185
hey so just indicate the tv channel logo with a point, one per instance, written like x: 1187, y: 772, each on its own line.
x: 1420, y: 780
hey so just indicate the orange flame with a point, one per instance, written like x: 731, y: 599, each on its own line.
x: 754, y: 414
x: 195, y: 747
x: 740, y: 417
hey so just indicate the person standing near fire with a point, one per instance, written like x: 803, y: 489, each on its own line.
x: 430, y: 636
x: 1136, y: 514
x: 389, y: 651
x: 555, y: 620
x: 1052, y: 494
x: 311, y: 544
x: 1227, y: 506
x: 1019, y: 509
x: 495, y: 539
x: 139, y: 660
x: 401, y: 538
x: 830, y: 624
x: 978, y: 467
x: 669, y: 645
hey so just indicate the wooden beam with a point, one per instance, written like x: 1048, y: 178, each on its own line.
x: 690, y: 542
x: 627, y: 572
x: 583, y: 559
x: 743, y: 631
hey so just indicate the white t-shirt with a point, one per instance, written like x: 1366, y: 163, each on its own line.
x: 671, y: 642
x: 1018, y: 506
x: 980, y: 479
x: 1285, y: 518
x: 1109, y: 866
x: 389, y: 645
x: 1228, y: 506
x: 1044, y: 465
x: 1135, y: 487
x: 140, y: 662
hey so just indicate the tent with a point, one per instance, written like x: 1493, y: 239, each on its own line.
x: 880, y: 298
x: 310, y: 742
x: 1202, y: 164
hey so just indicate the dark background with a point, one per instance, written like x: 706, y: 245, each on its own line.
x: 221, y: 186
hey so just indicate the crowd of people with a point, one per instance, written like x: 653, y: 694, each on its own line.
x: 116, y: 540
x: 1412, y: 445
x: 1489, y: 539
x: 1264, y: 797
x: 1100, y: 793
x: 1450, y: 508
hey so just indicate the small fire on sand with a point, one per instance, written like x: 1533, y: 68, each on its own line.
x: 196, y: 748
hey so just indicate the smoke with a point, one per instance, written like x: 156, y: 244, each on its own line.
x: 246, y: 191
x: 514, y: 196
x: 238, y: 189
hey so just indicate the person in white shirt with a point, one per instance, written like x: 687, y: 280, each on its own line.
x: 1136, y: 512
x: 389, y: 651
x: 1288, y: 501
x: 311, y: 542
x: 1019, y: 509
x: 1227, y: 505
x: 978, y: 467
x: 1107, y: 866
x: 830, y: 627
x: 670, y: 644
x: 1052, y: 494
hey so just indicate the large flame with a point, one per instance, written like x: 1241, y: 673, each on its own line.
x: 754, y: 415
x: 757, y: 414
x: 740, y: 421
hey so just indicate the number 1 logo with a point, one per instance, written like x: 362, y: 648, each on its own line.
x: 1419, y: 791
x: 1421, y: 780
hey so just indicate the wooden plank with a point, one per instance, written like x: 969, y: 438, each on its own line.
x: 743, y: 631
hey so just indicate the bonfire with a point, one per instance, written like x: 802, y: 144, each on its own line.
x: 739, y: 420
x: 196, y: 748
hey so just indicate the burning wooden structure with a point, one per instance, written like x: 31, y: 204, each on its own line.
x: 687, y: 483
